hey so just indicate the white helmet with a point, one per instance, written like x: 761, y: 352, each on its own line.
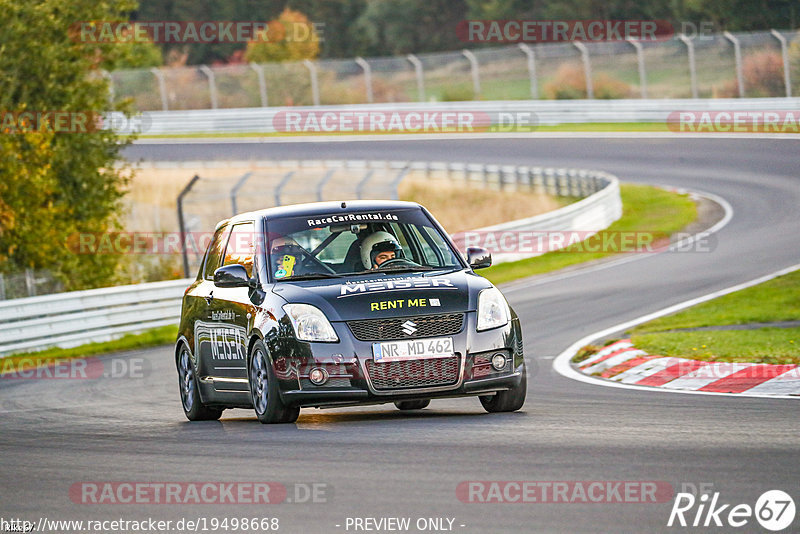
x: 376, y: 243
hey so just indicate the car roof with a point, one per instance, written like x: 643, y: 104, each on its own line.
x: 312, y: 209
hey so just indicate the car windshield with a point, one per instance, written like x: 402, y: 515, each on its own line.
x: 346, y: 243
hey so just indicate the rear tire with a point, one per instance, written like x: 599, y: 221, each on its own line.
x: 412, y: 404
x: 193, y: 407
x: 509, y: 400
x: 264, y: 391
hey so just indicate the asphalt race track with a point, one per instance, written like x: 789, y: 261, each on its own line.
x: 379, y: 463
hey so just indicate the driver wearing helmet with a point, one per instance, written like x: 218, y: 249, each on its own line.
x: 378, y: 248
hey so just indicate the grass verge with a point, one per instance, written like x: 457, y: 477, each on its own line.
x: 645, y: 209
x: 163, y: 335
x: 773, y: 301
x: 544, y: 128
x: 764, y: 345
x: 566, y: 127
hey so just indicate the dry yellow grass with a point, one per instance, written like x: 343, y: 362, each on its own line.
x: 459, y: 207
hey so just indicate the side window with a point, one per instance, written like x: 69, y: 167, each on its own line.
x: 430, y: 257
x: 241, y: 246
x: 214, y: 253
x: 433, y: 242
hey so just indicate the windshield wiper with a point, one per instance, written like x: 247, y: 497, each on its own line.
x: 310, y: 276
x: 417, y: 268
x: 389, y: 270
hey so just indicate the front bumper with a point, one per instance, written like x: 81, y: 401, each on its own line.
x: 351, y: 381
x: 342, y: 397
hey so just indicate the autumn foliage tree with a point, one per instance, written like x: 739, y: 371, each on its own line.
x: 291, y: 37
x: 55, y: 185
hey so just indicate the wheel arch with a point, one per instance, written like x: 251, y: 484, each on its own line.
x: 182, y: 341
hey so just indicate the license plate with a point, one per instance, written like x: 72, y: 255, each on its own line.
x: 413, y: 349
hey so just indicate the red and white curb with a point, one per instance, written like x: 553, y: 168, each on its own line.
x: 622, y: 362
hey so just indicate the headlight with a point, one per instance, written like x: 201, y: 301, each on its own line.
x: 309, y: 323
x: 492, y: 309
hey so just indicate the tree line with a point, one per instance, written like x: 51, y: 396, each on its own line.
x: 390, y: 27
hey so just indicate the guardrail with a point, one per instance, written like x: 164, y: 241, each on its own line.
x: 495, y: 116
x: 70, y: 319
x: 77, y: 317
x: 589, y: 215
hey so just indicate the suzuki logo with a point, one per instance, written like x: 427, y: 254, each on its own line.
x: 409, y: 327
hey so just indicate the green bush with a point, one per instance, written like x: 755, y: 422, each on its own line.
x: 56, y: 185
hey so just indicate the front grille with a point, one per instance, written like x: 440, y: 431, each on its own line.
x: 426, y: 326
x: 413, y: 373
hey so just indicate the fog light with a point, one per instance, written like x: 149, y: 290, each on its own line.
x: 498, y: 361
x: 318, y: 376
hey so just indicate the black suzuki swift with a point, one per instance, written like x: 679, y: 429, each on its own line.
x: 338, y: 304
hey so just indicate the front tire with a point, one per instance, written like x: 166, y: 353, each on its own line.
x: 264, y: 391
x: 509, y: 400
x: 193, y: 407
x: 412, y: 404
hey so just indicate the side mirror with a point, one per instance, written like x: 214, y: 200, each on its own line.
x: 233, y: 276
x: 479, y: 257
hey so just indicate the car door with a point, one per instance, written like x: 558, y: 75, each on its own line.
x: 231, y: 312
x: 207, y: 327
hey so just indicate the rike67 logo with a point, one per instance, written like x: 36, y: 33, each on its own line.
x: 774, y: 510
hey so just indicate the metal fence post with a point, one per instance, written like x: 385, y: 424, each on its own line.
x: 587, y: 68
x: 212, y: 85
x: 692, y: 68
x: 312, y: 72
x: 537, y: 183
x: 182, y: 224
x: 162, y: 87
x: 325, y: 179
x: 549, y: 181
x: 531, y: 69
x: 367, y: 76
x: 476, y: 75
x: 414, y: 60
x: 785, y: 54
x: 262, y: 83
x: 107, y: 76
x: 279, y: 189
x: 640, y: 60
x: 737, y: 54
x: 363, y: 183
x: 235, y: 191
x: 2, y: 287
x: 396, y: 182
x: 30, y: 282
